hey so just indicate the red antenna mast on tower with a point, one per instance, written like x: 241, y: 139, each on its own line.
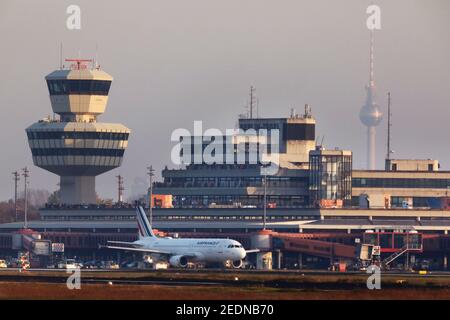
x: 80, y: 64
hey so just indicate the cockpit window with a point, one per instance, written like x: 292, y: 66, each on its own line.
x: 234, y: 246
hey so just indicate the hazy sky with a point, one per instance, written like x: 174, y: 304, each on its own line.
x: 174, y: 62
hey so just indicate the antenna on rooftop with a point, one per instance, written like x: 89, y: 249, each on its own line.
x: 96, y: 66
x: 60, y: 56
x: 293, y: 113
x: 307, y: 111
x: 252, y: 102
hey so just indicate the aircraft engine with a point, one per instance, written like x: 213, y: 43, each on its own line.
x: 236, y: 264
x: 178, y: 261
x: 148, y: 258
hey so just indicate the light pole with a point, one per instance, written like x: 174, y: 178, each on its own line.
x: 120, y: 189
x: 25, y: 174
x: 151, y: 173
x: 16, y: 182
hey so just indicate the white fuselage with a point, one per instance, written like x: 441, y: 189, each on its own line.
x: 199, y: 250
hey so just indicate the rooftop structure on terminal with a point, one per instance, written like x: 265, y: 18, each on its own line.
x: 412, y: 165
x: 77, y: 147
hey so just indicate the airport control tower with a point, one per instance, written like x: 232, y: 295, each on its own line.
x: 77, y: 147
x: 370, y: 114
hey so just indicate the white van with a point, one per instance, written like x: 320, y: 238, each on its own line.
x: 71, y: 264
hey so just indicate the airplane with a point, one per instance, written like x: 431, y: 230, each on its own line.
x: 179, y: 252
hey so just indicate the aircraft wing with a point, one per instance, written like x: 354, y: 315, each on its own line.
x: 142, y: 249
x: 132, y: 244
x: 252, y: 251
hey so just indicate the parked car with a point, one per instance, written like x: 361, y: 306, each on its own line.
x: 92, y: 264
x: 71, y: 264
x: 66, y: 264
x: 3, y: 264
x: 128, y: 264
x: 111, y: 265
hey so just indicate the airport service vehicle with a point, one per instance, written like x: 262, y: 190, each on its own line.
x: 111, y: 265
x: 67, y: 264
x: 71, y: 264
x: 180, y: 252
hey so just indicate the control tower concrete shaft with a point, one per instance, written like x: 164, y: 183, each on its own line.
x: 77, y: 147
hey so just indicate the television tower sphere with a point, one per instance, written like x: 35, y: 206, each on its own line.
x: 370, y: 114
x: 77, y: 147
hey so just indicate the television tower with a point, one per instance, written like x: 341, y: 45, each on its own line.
x: 370, y: 114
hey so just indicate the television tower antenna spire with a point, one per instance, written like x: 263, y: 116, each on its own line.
x: 372, y: 50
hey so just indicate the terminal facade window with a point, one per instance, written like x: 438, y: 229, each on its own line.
x: 88, y: 87
x: 82, y: 135
x: 238, y: 201
x: 234, y: 182
x: 77, y: 152
x: 401, y: 183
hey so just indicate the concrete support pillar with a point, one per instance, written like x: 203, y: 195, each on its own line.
x: 407, y: 260
x: 279, y: 258
x: 264, y: 261
x: 300, y: 261
x: 77, y: 190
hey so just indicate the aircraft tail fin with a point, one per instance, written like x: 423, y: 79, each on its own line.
x: 144, y: 227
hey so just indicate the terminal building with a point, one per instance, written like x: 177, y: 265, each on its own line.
x: 240, y: 184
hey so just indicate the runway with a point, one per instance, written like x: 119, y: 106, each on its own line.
x: 219, y: 284
x: 221, y: 277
